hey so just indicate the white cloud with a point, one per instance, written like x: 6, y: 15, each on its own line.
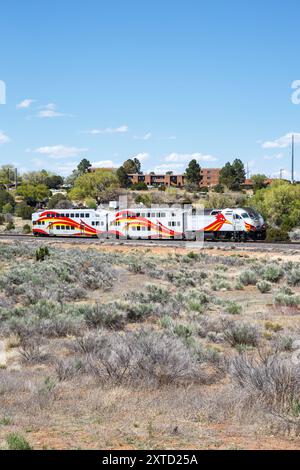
x: 144, y: 137
x: 109, y: 130
x: 4, y: 139
x: 38, y: 162
x: 50, y: 111
x: 65, y: 169
x: 25, y: 104
x: 186, y: 157
x: 105, y: 164
x: 278, y: 156
x: 142, y: 156
x: 283, y: 142
x: 164, y: 167
x: 60, y: 151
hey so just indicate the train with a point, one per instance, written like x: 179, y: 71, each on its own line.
x: 239, y: 224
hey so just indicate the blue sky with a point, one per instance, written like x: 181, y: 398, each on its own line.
x: 164, y: 80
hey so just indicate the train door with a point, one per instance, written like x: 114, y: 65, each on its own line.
x: 238, y: 223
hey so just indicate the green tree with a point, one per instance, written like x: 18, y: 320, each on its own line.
x: 6, y: 198
x: 193, y: 172
x: 123, y: 177
x: 24, y: 211
x: 84, y: 166
x: 130, y: 166
x: 96, y: 185
x: 91, y: 203
x: 258, y: 181
x: 33, y: 194
x: 279, y: 204
x: 54, y: 181
x: 7, y: 208
x: 56, y: 200
x: 233, y: 175
x: 7, y: 175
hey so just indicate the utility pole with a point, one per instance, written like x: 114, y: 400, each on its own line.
x: 16, y: 178
x: 293, y: 156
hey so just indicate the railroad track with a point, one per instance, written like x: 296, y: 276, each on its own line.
x: 254, y: 245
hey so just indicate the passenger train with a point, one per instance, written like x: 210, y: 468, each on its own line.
x: 160, y: 223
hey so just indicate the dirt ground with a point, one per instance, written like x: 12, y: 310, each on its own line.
x: 81, y: 414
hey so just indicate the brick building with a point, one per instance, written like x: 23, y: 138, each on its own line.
x: 210, y: 177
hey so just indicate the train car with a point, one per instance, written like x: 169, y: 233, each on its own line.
x: 154, y: 223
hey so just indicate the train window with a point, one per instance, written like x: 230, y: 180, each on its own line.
x: 138, y: 228
x: 72, y: 228
x: 68, y: 227
x: 149, y: 214
x: 170, y: 224
x: 245, y: 215
x: 133, y: 228
x: 163, y: 214
x: 77, y: 215
x: 102, y: 223
x: 153, y: 214
x: 82, y: 216
x: 72, y: 216
x: 93, y: 223
x: 87, y: 215
x: 137, y: 214
x: 173, y: 214
x: 62, y: 227
x: 178, y: 224
x: 62, y: 215
x: 143, y: 229
x: 143, y: 214
x: 58, y: 227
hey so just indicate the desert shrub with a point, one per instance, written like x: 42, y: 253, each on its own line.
x: 233, y: 308
x: 248, y: 277
x: 295, y: 234
x: 272, y: 272
x: 41, y: 253
x: 139, y: 311
x: 67, y: 369
x: 275, y: 327
x: 286, y: 299
x: 220, y: 283
x: 274, y: 382
x: 283, y: 343
x: 10, y: 226
x: 31, y: 352
x: 275, y: 234
x: 142, y: 357
x: 264, y: 286
x: 16, y: 441
x: 242, y: 334
x: 26, y: 229
x: 293, y: 277
x: 107, y: 316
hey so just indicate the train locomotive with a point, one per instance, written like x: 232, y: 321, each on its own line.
x: 239, y: 224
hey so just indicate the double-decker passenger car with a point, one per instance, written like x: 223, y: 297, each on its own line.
x: 145, y: 223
